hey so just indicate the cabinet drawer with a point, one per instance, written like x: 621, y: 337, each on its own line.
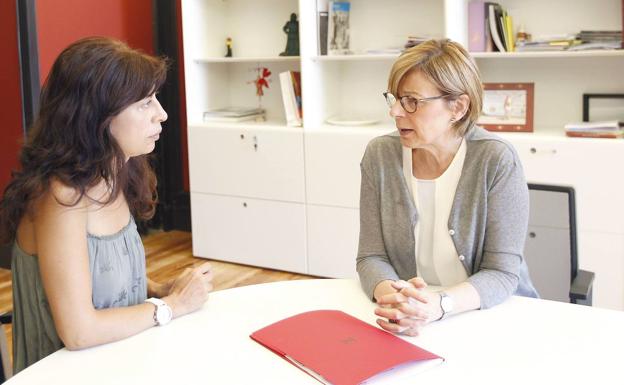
x: 333, y: 234
x: 265, y: 163
x: 332, y: 161
x: 249, y: 231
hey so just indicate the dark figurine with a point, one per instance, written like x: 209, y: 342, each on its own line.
x: 228, y: 44
x: 291, y: 28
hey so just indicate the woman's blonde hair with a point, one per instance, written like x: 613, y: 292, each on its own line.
x: 450, y: 68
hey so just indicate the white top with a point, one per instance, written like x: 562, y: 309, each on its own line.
x: 521, y: 341
x: 437, y: 261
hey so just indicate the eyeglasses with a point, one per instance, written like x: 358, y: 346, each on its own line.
x: 409, y: 103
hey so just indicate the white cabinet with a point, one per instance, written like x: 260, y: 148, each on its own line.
x: 587, y: 165
x: 257, y: 162
x: 249, y: 231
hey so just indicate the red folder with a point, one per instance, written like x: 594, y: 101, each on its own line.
x: 339, y: 349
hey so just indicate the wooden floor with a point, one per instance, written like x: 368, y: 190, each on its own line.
x: 168, y: 254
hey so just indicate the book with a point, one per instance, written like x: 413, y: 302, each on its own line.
x: 233, y: 112
x: 596, y: 134
x: 336, y: 348
x: 291, y: 97
x: 476, y: 26
x: 259, y: 117
x: 609, y: 125
x: 322, y: 23
x: 495, y: 11
x: 338, y: 28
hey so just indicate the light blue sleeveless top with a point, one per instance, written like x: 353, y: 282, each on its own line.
x: 118, y: 276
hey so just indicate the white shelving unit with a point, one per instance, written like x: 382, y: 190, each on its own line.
x: 288, y: 197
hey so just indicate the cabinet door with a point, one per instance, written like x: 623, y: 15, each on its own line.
x: 265, y: 163
x: 589, y: 167
x: 333, y: 234
x: 332, y: 161
x: 249, y: 231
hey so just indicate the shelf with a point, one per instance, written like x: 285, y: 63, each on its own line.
x: 484, y: 55
x: 548, y: 54
x: 359, y: 57
x: 255, y: 59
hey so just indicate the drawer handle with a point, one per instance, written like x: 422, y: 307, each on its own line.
x: 242, y: 136
x: 534, y: 150
x: 244, y: 204
x: 532, y: 234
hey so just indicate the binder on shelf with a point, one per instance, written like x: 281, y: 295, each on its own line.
x: 336, y: 348
x: 290, y: 83
x: 338, y: 28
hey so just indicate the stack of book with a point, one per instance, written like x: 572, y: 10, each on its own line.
x: 607, y: 129
x: 290, y: 82
x: 599, y: 40
x: 549, y: 43
x: 234, y: 114
x: 490, y: 28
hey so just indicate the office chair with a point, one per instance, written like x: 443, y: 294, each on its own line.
x: 6, y: 370
x: 551, y: 250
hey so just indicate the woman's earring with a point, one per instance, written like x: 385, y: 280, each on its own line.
x: 452, y: 120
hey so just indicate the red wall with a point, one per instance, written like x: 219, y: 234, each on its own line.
x: 10, y: 98
x: 58, y: 26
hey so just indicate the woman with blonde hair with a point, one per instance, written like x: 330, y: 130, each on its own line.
x: 78, y: 263
x: 443, y: 203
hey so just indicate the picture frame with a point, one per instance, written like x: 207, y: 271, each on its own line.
x: 507, y: 107
x: 604, y: 107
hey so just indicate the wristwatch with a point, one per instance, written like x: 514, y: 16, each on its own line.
x: 446, y: 304
x: 162, y: 312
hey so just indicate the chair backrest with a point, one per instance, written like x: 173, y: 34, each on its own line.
x: 550, y: 249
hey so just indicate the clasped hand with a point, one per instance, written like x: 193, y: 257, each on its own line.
x: 408, y: 309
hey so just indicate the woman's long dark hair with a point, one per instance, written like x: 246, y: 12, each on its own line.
x: 91, y: 81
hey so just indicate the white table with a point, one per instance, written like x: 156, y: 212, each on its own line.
x: 524, y: 341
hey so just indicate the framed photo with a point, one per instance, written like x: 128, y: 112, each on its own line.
x: 603, y: 107
x: 507, y: 107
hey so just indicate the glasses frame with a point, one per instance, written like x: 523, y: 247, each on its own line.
x: 418, y: 100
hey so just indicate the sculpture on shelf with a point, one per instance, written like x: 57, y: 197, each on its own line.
x: 228, y: 45
x: 261, y: 81
x: 291, y: 28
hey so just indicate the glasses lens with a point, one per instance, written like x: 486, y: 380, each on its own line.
x: 390, y: 99
x: 410, y: 104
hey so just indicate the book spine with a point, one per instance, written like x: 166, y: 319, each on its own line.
x: 288, y: 98
x: 580, y: 134
x: 476, y: 26
x: 323, y: 20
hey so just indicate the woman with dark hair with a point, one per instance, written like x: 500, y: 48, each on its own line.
x: 78, y: 263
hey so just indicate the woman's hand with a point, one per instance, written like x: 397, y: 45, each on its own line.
x: 409, y: 309
x: 189, y: 291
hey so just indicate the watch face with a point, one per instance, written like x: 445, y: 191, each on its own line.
x: 163, y: 314
x: 446, y: 303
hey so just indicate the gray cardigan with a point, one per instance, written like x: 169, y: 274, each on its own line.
x: 488, y: 220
